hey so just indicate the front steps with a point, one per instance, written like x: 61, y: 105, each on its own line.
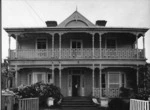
x: 78, y: 103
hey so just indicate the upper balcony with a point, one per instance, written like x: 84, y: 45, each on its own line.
x: 77, y: 45
x: 85, y: 53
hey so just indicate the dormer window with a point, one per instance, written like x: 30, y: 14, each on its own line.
x: 41, y: 43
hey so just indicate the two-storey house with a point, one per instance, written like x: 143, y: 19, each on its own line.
x: 82, y: 58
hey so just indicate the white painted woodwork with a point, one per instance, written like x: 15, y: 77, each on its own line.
x: 93, y: 45
x: 69, y: 84
x: 35, y: 77
x: 53, y: 74
x: 136, y: 104
x: 16, y: 76
x: 106, y: 92
x: 84, y: 53
x: 82, y: 82
x: 93, y: 77
x: 144, y: 46
x: 100, y: 80
x: 28, y: 104
x: 60, y: 76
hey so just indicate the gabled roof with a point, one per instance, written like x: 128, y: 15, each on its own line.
x: 76, y: 20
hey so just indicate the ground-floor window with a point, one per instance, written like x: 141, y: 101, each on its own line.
x: 38, y: 77
x: 116, y: 80
x: 113, y: 80
x: 49, y: 78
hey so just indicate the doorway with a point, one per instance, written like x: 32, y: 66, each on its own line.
x: 75, y: 85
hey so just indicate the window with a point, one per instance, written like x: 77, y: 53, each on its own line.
x: 49, y: 78
x: 38, y: 77
x: 30, y: 78
x: 114, y: 80
x: 76, y: 44
x: 41, y: 43
x: 103, y: 80
x: 123, y: 80
x: 111, y: 43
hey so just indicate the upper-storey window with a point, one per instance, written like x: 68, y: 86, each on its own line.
x: 76, y: 44
x: 41, y: 43
x: 111, y: 43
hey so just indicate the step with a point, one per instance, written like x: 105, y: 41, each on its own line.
x: 78, y: 106
x: 77, y: 98
x: 76, y: 102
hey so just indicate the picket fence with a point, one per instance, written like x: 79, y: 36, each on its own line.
x: 29, y: 104
x: 139, y: 105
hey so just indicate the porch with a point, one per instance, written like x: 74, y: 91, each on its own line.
x: 84, y: 53
x: 90, y: 80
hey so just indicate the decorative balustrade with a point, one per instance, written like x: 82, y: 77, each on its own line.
x: 85, y: 53
x: 107, y: 92
x: 110, y: 92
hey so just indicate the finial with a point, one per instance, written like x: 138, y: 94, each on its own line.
x: 76, y: 8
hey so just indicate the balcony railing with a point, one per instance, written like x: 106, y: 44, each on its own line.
x: 107, y: 92
x: 85, y: 53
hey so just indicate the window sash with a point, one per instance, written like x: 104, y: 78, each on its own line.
x: 114, y: 80
x: 38, y: 76
x: 41, y: 43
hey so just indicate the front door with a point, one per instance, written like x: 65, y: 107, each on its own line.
x: 75, y: 85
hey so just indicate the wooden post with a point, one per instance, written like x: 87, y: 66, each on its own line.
x: 16, y: 76
x: 53, y: 74
x: 100, y: 46
x: 9, y: 45
x: 93, y: 76
x: 93, y: 45
x: 52, y: 45
x: 59, y: 46
x: 137, y: 47
x: 100, y: 81
x: 16, y: 45
x: 60, y: 76
x: 144, y: 46
x: 137, y: 76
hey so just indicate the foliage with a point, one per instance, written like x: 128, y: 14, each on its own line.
x: 118, y: 104
x: 6, y: 75
x: 143, y: 94
x: 126, y: 92
x: 41, y: 90
x: 144, y: 76
x: 143, y: 91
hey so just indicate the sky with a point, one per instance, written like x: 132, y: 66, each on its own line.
x: 34, y: 13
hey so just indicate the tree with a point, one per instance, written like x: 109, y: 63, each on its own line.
x: 143, y: 88
x: 7, y: 75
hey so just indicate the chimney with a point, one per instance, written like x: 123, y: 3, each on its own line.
x: 101, y: 22
x: 51, y: 23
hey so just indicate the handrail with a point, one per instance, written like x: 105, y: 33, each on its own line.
x: 85, y: 53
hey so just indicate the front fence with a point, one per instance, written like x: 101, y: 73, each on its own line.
x: 29, y: 104
x: 139, y: 104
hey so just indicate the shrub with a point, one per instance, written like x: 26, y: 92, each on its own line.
x: 126, y: 92
x: 118, y: 104
x: 41, y: 90
x: 143, y: 94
